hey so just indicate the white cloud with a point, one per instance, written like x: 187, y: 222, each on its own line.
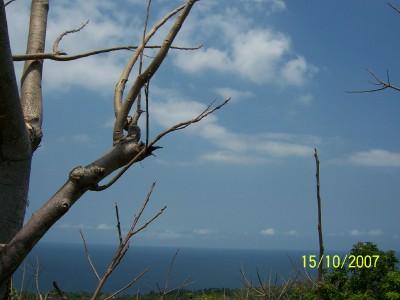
x: 260, y: 55
x: 268, y: 232
x: 305, y: 100
x: 168, y: 234
x: 204, y: 59
x: 375, y: 158
x: 231, y: 157
x: 203, y: 231
x: 108, y: 26
x: 244, y: 50
x: 292, y: 233
x: 231, y: 147
x: 234, y: 94
x: 296, y: 71
x: 372, y: 232
x: 375, y: 232
x: 104, y: 227
x: 356, y: 232
x: 81, y: 138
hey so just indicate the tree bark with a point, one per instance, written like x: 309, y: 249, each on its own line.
x: 31, y: 81
x: 15, y: 148
x: 81, y: 180
x: 21, y: 133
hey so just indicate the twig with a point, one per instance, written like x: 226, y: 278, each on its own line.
x: 139, y: 102
x: 37, y: 279
x: 124, y: 246
x: 59, y: 38
x: 307, y: 277
x: 151, y: 146
x: 88, y: 256
x: 10, y: 1
x: 394, y: 7
x: 118, y: 223
x: 379, y: 82
x: 128, y: 285
x: 59, y: 291
x: 321, y: 241
x: 61, y: 56
x: 146, y: 91
x: 169, y: 274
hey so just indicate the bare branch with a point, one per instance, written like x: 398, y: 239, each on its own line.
x: 59, y: 291
x: 120, y: 86
x: 10, y: 1
x: 124, y: 246
x: 128, y: 285
x: 88, y: 256
x: 394, y: 7
x: 169, y: 273
x: 118, y: 223
x: 151, y: 146
x: 183, y: 125
x: 37, y: 269
x: 320, y: 237
x: 378, y: 82
x: 142, y: 79
x: 139, y: 111
x: 59, y: 38
x: 61, y: 56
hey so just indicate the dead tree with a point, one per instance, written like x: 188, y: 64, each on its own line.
x: 21, y: 133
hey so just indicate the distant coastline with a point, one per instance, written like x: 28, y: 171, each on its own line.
x: 208, y: 267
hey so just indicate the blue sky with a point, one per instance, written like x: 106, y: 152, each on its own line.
x: 245, y: 176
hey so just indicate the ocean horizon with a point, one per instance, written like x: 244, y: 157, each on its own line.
x: 67, y: 264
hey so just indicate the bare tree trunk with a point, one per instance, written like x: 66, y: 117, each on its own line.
x: 21, y: 133
x: 15, y: 148
x: 15, y: 141
x: 321, y: 241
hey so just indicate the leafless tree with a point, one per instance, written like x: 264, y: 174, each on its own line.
x: 320, y: 236
x: 21, y: 132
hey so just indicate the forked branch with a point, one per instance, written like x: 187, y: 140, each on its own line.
x: 142, y: 79
x: 120, y: 86
x: 151, y: 146
x: 381, y: 84
x: 123, y: 247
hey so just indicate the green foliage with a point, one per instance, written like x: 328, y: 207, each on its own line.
x: 391, y: 285
x: 378, y: 282
x: 371, y: 279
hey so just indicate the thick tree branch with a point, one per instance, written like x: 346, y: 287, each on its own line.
x: 13, y: 134
x: 81, y: 179
x: 15, y: 149
x: 152, y: 146
x: 143, y: 78
x: 31, y: 81
x: 120, y: 86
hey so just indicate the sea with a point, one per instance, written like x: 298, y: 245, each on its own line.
x: 190, y: 268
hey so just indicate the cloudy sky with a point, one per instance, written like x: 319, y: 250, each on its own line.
x: 245, y: 176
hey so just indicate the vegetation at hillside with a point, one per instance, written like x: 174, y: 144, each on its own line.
x: 380, y: 281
